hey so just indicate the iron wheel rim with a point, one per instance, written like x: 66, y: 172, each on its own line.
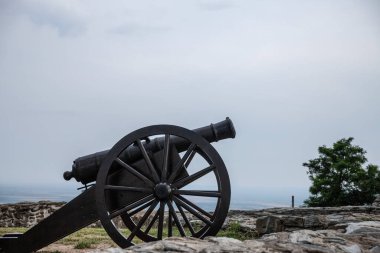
x: 205, y: 149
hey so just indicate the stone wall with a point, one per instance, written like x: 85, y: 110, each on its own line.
x: 26, y: 214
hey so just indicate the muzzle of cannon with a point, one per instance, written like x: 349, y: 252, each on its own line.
x: 151, y: 184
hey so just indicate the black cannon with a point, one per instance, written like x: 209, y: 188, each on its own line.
x: 148, y: 186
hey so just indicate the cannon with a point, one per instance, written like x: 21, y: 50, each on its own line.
x: 151, y: 184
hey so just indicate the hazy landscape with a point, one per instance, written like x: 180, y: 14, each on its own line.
x: 253, y: 198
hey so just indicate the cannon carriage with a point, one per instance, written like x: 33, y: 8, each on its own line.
x: 151, y: 181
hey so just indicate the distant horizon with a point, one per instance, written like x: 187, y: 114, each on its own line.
x: 242, y: 199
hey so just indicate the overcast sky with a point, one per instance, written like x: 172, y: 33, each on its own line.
x: 76, y: 76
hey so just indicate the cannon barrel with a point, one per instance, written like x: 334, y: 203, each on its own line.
x: 85, y: 168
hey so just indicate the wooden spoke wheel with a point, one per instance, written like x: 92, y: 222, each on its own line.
x: 178, y: 188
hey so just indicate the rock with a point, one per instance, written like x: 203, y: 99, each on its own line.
x: 246, y: 223
x: 352, y: 249
x: 315, y: 222
x: 293, y: 221
x: 308, y: 241
x: 366, y: 227
x: 376, y: 202
x: 111, y: 250
x: 269, y: 224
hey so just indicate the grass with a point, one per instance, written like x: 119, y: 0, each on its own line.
x: 82, y: 239
x: 235, y: 230
x: 91, y: 237
x: 87, y: 236
x: 84, y: 244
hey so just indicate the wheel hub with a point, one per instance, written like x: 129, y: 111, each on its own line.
x: 162, y: 191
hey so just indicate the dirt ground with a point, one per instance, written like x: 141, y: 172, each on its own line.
x: 62, y: 248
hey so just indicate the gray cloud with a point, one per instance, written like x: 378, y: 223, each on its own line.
x: 211, y: 5
x: 66, y: 17
x: 138, y: 29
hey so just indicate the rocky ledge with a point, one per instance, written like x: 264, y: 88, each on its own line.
x: 314, y: 218
x: 350, y: 229
x: 323, y: 241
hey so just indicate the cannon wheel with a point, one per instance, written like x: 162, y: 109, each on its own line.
x: 162, y: 190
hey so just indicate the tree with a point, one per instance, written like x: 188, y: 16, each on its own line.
x: 339, y: 177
